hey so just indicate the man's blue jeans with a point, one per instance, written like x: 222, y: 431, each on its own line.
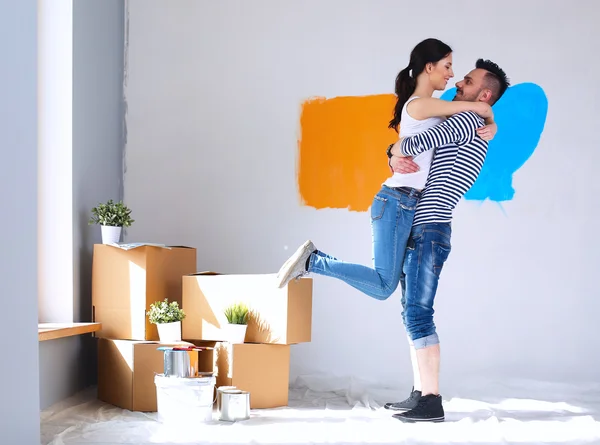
x: 426, y: 252
x: 392, y: 214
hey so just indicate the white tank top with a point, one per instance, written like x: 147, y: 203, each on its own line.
x: 410, y: 126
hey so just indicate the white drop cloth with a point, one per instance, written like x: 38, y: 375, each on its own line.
x: 347, y: 411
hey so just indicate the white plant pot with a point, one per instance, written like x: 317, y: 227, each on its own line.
x: 169, y: 332
x: 111, y: 234
x: 235, y: 333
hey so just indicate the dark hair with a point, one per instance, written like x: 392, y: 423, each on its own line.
x: 428, y: 51
x: 495, y: 79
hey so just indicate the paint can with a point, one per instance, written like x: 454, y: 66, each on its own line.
x: 177, y: 364
x: 181, y: 361
x: 220, y: 390
x: 235, y: 405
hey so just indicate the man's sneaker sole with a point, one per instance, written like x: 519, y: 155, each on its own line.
x: 414, y: 420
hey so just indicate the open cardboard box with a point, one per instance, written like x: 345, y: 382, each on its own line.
x: 279, y: 316
x: 126, y: 282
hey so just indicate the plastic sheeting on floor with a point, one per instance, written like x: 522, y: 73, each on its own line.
x: 346, y: 411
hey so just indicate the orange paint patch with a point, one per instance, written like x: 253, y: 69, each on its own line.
x: 342, y: 160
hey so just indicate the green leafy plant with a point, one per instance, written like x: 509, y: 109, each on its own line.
x: 111, y: 214
x: 237, y: 313
x: 165, y: 312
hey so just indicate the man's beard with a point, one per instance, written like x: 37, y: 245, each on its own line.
x: 462, y: 97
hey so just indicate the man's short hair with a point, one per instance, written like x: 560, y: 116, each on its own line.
x: 495, y: 79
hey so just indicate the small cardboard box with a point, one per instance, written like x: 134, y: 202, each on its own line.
x: 126, y: 280
x: 279, y: 316
x: 261, y: 369
x: 126, y: 370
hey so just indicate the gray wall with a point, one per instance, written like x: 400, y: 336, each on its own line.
x: 69, y: 364
x: 214, y: 120
x: 19, y: 403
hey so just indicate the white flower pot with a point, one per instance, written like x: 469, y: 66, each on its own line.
x: 111, y: 234
x: 235, y: 333
x: 169, y: 332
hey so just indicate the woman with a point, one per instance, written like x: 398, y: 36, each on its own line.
x: 393, y: 208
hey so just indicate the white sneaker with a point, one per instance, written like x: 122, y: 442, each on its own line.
x: 295, y: 266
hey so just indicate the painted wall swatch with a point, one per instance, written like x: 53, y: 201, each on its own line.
x: 342, y: 161
x: 521, y: 117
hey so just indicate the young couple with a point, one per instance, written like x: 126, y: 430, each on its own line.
x: 411, y: 214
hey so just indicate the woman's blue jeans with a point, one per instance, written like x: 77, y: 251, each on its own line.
x: 392, y: 214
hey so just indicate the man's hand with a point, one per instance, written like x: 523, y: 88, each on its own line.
x: 403, y: 164
x: 487, y: 132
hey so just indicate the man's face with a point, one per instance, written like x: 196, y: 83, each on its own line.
x: 471, y: 88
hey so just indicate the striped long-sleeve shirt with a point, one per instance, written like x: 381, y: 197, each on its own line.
x: 458, y: 159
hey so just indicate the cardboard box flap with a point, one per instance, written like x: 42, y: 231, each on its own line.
x: 208, y: 273
x: 130, y: 246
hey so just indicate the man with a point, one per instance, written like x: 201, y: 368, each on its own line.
x: 457, y: 162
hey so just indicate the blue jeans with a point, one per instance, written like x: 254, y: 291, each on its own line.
x: 392, y: 214
x: 426, y: 252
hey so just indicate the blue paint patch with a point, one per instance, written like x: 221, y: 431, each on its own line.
x: 521, y: 116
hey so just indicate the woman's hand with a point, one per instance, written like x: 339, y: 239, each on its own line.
x: 487, y: 132
x: 484, y: 110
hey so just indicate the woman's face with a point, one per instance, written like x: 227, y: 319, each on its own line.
x: 440, y: 73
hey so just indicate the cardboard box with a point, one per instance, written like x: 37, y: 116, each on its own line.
x: 279, y: 316
x: 126, y: 370
x: 261, y: 369
x: 126, y: 282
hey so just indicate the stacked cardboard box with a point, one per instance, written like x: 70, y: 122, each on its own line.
x: 278, y: 319
x: 125, y: 282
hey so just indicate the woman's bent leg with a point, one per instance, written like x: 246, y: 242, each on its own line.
x: 391, y: 221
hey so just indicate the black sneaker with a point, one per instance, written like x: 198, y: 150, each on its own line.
x: 406, y: 404
x: 429, y: 409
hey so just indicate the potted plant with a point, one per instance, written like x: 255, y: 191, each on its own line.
x: 167, y: 317
x: 237, y: 322
x: 112, y: 217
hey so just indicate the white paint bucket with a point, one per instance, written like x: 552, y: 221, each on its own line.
x: 184, y: 400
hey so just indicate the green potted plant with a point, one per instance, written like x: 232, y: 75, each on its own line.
x: 167, y: 317
x: 112, y: 217
x: 237, y: 322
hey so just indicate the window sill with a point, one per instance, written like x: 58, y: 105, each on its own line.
x: 51, y: 331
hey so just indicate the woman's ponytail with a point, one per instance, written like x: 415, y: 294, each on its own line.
x: 405, y: 87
